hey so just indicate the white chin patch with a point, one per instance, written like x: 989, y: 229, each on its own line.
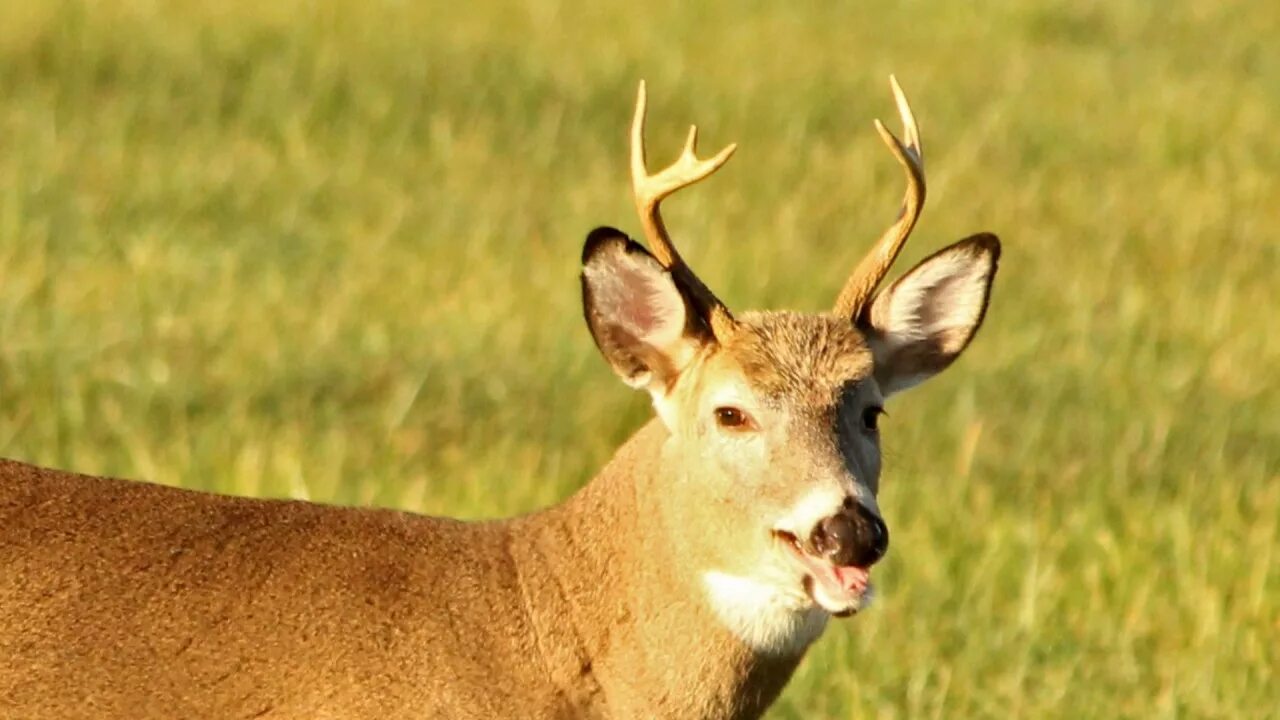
x: 768, y: 620
x: 843, y: 605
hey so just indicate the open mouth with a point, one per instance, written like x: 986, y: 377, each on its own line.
x: 840, y: 590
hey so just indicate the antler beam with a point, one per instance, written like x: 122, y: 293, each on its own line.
x: 871, y: 271
x: 651, y: 190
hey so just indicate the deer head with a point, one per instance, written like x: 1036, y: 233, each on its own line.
x: 771, y: 466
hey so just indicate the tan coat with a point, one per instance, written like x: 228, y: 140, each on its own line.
x: 131, y: 600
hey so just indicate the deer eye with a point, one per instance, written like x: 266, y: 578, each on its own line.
x: 732, y: 418
x: 871, y: 419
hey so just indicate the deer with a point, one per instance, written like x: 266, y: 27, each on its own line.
x: 686, y: 580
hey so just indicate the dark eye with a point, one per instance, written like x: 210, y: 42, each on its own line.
x: 871, y: 419
x: 732, y: 418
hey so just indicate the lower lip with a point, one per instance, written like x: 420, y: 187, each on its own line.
x: 793, y: 544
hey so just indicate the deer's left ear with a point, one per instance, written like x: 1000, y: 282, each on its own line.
x: 922, y: 322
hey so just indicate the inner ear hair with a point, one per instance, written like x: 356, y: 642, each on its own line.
x: 921, y: 323
x: 640, y: 317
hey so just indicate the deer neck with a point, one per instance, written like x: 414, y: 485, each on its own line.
x: 623, y: 624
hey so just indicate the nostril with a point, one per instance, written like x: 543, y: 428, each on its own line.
x: 848, y: 502
x: 834, y: 538
x: 818, y: 539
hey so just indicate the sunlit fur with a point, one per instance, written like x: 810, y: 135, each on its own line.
x: 804, y: 379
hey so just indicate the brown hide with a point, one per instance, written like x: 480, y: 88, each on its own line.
x: 130, y: 600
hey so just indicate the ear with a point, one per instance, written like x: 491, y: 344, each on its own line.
x: 640, y: 319
x: 920, y: 324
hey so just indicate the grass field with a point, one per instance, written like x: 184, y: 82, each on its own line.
x: 329, y: 250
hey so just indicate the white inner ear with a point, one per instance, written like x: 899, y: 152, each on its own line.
x: 651, y: 305
x: 921, y: 322
x: 941, y: 300
x: 644, y: 307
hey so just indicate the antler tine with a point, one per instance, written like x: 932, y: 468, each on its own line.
x: 873, y: 268
x: 651, y: 190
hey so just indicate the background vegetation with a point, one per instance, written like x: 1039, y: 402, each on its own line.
x: 328, y: 250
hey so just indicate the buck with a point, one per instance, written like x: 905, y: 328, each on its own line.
x: 686, y: 580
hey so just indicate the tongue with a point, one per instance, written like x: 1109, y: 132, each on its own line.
x: 851, y: 577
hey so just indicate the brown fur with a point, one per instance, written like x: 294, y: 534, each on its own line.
x: 808, y: 359
x: 130, y: 600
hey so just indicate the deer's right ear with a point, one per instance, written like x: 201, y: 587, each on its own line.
x: 638, y: 315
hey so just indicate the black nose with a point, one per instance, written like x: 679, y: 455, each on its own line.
x: 854, y: 536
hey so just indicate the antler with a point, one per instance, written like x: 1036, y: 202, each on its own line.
x: 651, y: 190
x: 873, y: 268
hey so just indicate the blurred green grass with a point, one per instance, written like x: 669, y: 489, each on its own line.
x: 328, y: 250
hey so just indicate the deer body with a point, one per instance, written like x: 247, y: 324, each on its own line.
x: 185, y: 604
x: 686, y: 580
